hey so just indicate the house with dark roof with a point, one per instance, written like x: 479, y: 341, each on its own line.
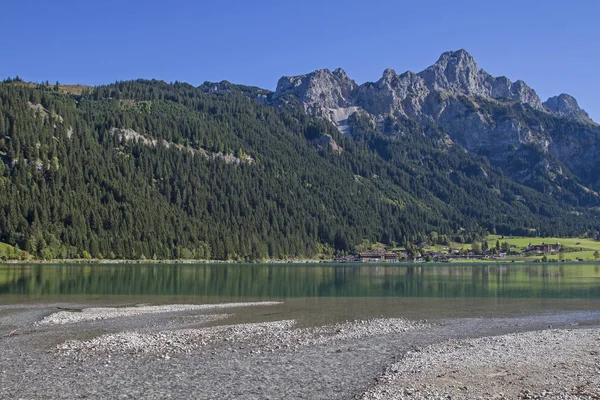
x: 544, y: 248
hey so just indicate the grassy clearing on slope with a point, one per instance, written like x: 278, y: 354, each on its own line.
x: 582, y: 248
x: 581, y: 244
x: 8, y: 252
x: 6, y: 249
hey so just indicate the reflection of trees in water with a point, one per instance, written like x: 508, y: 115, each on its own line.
x: 304, y: 281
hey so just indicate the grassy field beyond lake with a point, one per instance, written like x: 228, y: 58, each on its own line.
x: 574, y: 248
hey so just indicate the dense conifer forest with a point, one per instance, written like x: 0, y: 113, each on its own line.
x: 145, y: 169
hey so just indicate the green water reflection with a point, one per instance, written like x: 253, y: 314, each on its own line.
x: 577, y: 281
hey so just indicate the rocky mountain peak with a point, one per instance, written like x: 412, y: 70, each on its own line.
x: 566, y: 106
x: 455, y: 71
x: 340, y: 73
x: 321, y: 88
x: 433, y: 94
x: 388, y: 74
x: 457, y: 57
x: 458, y: 72
x: 521, y: 92
x: 473, y: 109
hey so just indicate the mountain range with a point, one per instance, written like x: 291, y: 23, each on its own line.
x: 145, y: 168
x: 494, y: 117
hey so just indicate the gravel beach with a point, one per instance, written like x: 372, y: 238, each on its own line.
x: 552, y: 364
x: 181, y: 351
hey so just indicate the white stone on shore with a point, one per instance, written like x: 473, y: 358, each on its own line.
x: 176, y: 341
x: 254, y: 337
x: 98, y: 313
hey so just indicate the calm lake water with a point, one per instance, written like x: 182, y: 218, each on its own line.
x: 323, y: 291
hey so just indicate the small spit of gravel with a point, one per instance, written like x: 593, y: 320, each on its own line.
x: 169, y: 342
x: 98, y: 313
x: 256, y: 337
x: 553, y: 364
x: 357, y: 329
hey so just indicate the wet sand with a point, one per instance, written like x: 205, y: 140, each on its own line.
x: 258, y: 351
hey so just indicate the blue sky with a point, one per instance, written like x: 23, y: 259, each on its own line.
x: 552, y: 45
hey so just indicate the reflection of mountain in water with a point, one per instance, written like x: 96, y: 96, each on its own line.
x: 281, y: 281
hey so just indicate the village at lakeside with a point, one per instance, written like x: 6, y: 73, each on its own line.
x: 495, y: 248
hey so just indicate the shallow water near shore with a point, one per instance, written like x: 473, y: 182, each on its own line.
x: 317, y: 293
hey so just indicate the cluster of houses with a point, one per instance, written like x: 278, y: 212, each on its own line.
x: 544, y: 248
x: 377, y: 255
x: 383, y: 256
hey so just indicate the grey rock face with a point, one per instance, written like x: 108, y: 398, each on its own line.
x: 478, y: 111
x: 456, y: 71
x: 327, y: 140
x: 500, y: 87
x: 393, y: 94
x: 455, y: 74
x: 566, y: 106
x: 524, y: 94
x: 323, y: 93
x: 321, y: 88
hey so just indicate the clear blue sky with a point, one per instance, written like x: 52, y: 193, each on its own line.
x: 554, y: 46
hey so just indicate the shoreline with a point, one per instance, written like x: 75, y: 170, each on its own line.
x: 290, y: 262
x: 186, y: 351
x: 191, y: 262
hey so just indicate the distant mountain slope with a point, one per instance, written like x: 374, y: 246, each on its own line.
x: 144, y: 169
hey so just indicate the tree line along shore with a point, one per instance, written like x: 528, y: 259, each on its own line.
x: 494, y: 248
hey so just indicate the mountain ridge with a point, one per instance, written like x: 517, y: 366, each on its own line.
x: 491, y: 116
x: 454, y: 71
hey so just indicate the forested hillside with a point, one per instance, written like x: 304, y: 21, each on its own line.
x: 145, y: 169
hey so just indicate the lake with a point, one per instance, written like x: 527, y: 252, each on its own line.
x: 317, y: 293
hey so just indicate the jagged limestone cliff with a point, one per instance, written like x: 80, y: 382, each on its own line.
x: 503, y: 120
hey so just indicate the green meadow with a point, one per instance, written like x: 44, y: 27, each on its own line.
x: 574, y: 248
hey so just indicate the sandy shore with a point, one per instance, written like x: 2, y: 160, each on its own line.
x: 184, y: 351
